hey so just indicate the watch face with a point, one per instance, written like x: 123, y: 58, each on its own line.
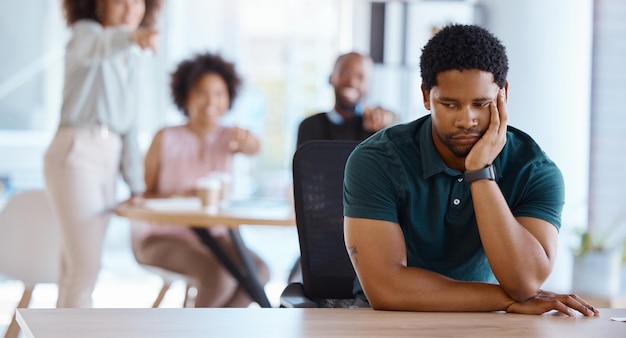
x: 494, y: 173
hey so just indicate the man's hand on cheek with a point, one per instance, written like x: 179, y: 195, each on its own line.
x: 492, y: 142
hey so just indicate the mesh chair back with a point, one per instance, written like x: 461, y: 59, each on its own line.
x: 318, y: 167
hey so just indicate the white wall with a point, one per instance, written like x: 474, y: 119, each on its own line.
x: 32, y: 37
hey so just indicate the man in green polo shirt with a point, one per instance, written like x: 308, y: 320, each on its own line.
x: 456, y: 211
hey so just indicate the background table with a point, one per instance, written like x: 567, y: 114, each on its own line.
x: 188, y: 212
x: 191, y: 323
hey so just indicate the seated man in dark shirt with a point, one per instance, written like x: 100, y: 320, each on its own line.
x: 350, y: 119
x: 457, y: 210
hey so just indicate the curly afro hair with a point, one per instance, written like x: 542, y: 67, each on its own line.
x: 190, y: 71
x: 461, y: 47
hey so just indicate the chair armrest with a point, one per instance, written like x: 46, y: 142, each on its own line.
x: 293, y: 297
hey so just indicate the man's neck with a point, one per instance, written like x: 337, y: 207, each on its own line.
x: 346, y: 113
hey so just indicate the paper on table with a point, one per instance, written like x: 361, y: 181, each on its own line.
x: 173, y: 204
x: 619, y: 319
x: 254, y: 207
x: 260, y: 208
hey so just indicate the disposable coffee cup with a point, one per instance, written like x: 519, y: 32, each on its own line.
x: 225, y: 180
x: 209, y: 192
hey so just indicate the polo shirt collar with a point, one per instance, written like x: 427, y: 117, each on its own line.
x: 334, y: 117
x: 432, y: 163
x: 337, y: 119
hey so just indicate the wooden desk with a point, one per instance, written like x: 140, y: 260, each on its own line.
x: 188, y: 212
x: 191, y: 323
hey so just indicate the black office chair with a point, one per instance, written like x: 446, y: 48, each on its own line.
x: 327, y: 273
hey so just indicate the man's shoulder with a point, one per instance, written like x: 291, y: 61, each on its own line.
x: 519, y: 134
x: 315, y: 119
x: 313, y: 128
x: 522, y: 151
x: 520, y: 142
x: 402, y: 133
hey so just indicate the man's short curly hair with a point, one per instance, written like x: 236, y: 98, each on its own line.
x: 463, y: 47
x: 191, y: 70
x: 75, y: 10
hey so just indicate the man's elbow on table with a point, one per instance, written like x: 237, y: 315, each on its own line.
x: 381, y: 298
x: 524, y: 285
x: 522, y: 291
x: 384, y: 291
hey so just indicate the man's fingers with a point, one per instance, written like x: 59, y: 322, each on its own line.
x: 502, y: 113
x: 375, y: 119
x: 580, y: 305
x: 568, y: 303
x: 494, y: 117
x: 564, y: 309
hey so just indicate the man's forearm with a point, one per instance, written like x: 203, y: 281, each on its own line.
x: 415, y: 289
x: 519, y: 260
x: 378, y: 254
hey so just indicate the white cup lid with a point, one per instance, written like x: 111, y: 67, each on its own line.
x: 209, y: 183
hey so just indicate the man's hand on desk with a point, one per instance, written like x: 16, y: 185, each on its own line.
x: 546, y: 301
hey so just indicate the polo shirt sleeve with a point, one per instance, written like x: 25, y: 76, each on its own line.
x: 368, y: 185
x: 544, y: 194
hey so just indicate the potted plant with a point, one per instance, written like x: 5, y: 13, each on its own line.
x: 598, y: 259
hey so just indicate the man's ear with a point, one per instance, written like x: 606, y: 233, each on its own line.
x: 425, y: 97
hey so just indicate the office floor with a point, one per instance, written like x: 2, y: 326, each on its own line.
x: 122, y: 283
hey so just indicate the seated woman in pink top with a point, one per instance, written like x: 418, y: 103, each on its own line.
x: 203, y: 88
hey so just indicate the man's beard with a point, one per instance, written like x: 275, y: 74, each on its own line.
x: 345, y: 103
x: 458, y: 151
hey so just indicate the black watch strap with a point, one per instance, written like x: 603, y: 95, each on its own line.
x: 488, y: 172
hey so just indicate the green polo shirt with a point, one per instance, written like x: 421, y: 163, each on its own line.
x: 398, y: 176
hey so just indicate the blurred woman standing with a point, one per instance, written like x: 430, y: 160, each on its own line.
x: 96, y: 137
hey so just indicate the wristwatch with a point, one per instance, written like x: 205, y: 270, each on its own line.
x: 488, y: 172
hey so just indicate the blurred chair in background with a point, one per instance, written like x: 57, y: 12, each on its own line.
x: 30, y: 242
x: 169, y: 277
x: 327, y: 273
